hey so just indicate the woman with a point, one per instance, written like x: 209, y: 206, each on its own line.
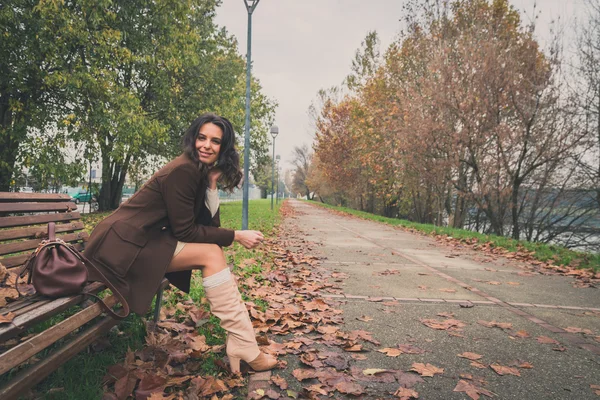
x: 171, y: 227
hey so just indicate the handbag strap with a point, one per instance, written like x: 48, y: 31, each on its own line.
x: 113, y: 289
x: 51, y: 231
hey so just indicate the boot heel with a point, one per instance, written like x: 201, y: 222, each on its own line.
x: 234, y: 364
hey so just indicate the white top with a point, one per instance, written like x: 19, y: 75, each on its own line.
x: 212, y: 200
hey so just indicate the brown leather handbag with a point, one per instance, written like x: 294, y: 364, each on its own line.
x: 57, y: 269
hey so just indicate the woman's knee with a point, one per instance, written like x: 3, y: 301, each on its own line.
x: 215, y: 254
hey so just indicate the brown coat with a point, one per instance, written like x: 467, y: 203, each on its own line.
x: 134, y: 245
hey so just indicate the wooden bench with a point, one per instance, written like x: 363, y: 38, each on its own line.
x: 24, y: 221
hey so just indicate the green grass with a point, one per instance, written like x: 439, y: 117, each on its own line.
x: 80, y: 378
x: 540, y: 251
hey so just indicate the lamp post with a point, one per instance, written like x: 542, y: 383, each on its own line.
x: 277, y: 180
x: 274, y: 133
x: 250, y: 6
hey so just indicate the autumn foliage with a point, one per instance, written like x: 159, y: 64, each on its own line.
x: 462, y: 121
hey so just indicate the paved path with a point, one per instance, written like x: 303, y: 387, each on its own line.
x: 427, y: 278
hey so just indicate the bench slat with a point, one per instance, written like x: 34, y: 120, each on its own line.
x: 26, y: 303
x: 9, y: 222
x: 15, y: 261
x: 39, y: 342
x: 16, y: 247
x: 26, y: 320
x: 12, y: 197
x: 29, y: 377
x: 37, y: 207
x: 38, y: 231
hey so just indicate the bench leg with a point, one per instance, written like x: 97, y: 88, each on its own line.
x: 158, y: 305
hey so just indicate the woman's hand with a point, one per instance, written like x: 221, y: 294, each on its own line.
x: 249, y: 239
x: 213, y: 176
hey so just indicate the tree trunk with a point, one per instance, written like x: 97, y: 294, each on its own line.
x: 514, y: 205
x: 8, y: 145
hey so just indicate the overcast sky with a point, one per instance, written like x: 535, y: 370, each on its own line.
x: 301, y: 46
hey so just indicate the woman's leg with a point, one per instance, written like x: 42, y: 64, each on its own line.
x: 225, y: 302
x: 207, y: 257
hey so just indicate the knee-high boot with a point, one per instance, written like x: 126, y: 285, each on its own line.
x: 225, y: 302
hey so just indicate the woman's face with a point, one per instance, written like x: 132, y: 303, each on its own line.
x: 208, y: 143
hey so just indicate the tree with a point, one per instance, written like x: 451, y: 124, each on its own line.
x: 29, y: 99
x: 588, y: 87
x: 137, y: 73
x: 301, y: 158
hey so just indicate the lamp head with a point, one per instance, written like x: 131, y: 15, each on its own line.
x: 274, y: 131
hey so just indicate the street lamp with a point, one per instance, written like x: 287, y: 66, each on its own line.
x: 274, y: 133
x: 250, y: 6
x: 277, y: 180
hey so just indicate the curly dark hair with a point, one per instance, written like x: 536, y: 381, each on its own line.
x: 228, y: 161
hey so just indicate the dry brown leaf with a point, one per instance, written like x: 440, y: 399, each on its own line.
x: 470, y: 356
x: 478, y: 365
x: 513, y: 283
x: 279, y: 381
x: 410, y: 349
x: 406, y: 394
x: 492, y: 324
x: 317, y: 388
x: 350, y: 388
x: 573, y: 329
x: 471, y: 390
x: 373, y: 371
x: 359, y: 357
x: 522, y: 334
x: 426, y: 369
x: 390, y: 352
x: 502, y: 370
x: 446, y: 314
x: 7, y: 318
x: 443, y: 325
x: 302, y: 374
x: 546, y: 340
x: 365, y: 318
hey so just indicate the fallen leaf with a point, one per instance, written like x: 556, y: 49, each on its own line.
x: 365, y: 318
x: 359, y: 357
x: 350, y: 388
x: 492, y: 324
x: 279, y: 381
x: 302, y: 374
x: 426, y: 369
x: 502, y: 370
x: 7, y: 318
x: 373, y: 371
x: 446, y: 314
x: 513, y: 283
x: 572, y: 329
x: 390, y: 352
x: 443, y: 325
x: 317, y: 388
x: 406, y: 394
x: 471, y: 390
x: 546, y: 340
x: 470, y: 356
x: 410, y: 349
x: 522, y: 334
